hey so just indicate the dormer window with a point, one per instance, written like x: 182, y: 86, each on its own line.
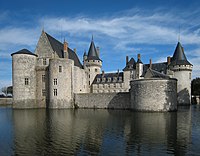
x: 98, y: 80
x: 103, y: 79
x: 109, y: 79
x: 114, y: 79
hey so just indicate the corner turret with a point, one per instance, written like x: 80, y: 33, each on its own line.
x: 181, y: 70
x: 92, y: 63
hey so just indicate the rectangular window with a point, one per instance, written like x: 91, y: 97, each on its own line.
x: 55, y: 92
x: 190, y: 75
x: 44, y: 61
x: 55, y: 81
x: 96, y: 70
x: 43, y: 78
x: 89, y: 82
x: 60, y: 69
x: 43, y: 92
x: 26, y: 81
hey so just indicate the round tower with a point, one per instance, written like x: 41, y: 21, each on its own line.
x: 24, y: 79
x: 182, y: 71
x: 92, y: 63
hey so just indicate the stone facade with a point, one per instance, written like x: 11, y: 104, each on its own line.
x: 54, y: 77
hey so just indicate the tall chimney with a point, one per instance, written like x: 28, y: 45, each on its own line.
x: 103, y: 73
x: 138, y: 56
x: 98, y: 51
x: 150, y: 64
x: 168, y: 60
x: 65, y: 49
x: 75, y: 50
x: 127, y: 60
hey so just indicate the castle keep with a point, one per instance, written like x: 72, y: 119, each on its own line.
x: 54, y: 77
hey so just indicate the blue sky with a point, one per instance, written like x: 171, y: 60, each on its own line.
x: 119, y: 27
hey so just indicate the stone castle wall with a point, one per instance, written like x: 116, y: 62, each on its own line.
x: 103, y: 100
x: 154, y: 94
x: 79, y: 80
x: 6, y: 101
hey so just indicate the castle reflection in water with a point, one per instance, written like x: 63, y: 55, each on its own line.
x: 101, y: 132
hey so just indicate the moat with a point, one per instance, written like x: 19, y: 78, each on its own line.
x: 99, y: 132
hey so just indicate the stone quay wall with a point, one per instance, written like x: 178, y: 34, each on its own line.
x: 5, y: 101
x: 154, y: 94
x: 102, y: 100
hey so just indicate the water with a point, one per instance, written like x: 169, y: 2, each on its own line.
x: 99, y: 132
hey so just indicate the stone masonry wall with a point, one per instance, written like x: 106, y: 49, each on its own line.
x: 103, y: 100
x: 154, y: 94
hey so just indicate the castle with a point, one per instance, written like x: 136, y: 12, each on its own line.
x: 53, y: 75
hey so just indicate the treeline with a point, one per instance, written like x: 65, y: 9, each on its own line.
x: 195, y: 86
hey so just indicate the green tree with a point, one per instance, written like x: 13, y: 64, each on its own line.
x: 7, y: 90
x: 196, y: 86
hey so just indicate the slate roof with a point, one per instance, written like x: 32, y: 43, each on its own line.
x: 160, y: 67
x: 58, y: 48
x: 179, y: 57
x: 107, y: 76
x: 92, y: 53
x: 130, y: 65
x: 150, y: 73
x: 24, y: 51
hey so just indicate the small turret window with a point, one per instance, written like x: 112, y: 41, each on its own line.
x: 96, y: 70
x: 26, y: 81
x: 44, y: 61
x: 190, y: 76
x: 43, y: 78
x: 55, y: 92
x: 60, y: 69
x: 55, y: 81
x: 43, y: 92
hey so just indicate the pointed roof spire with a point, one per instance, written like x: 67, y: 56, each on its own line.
x: 92, y: 53
x: 179, y: 57
x: 92, y: 38
x: 85, y: 53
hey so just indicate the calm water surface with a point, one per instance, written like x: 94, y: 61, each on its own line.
x: 99, y: 132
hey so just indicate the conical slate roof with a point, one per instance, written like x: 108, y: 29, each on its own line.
x: 179, y: 57
x: 92, y: 53
x: 23, y: 51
